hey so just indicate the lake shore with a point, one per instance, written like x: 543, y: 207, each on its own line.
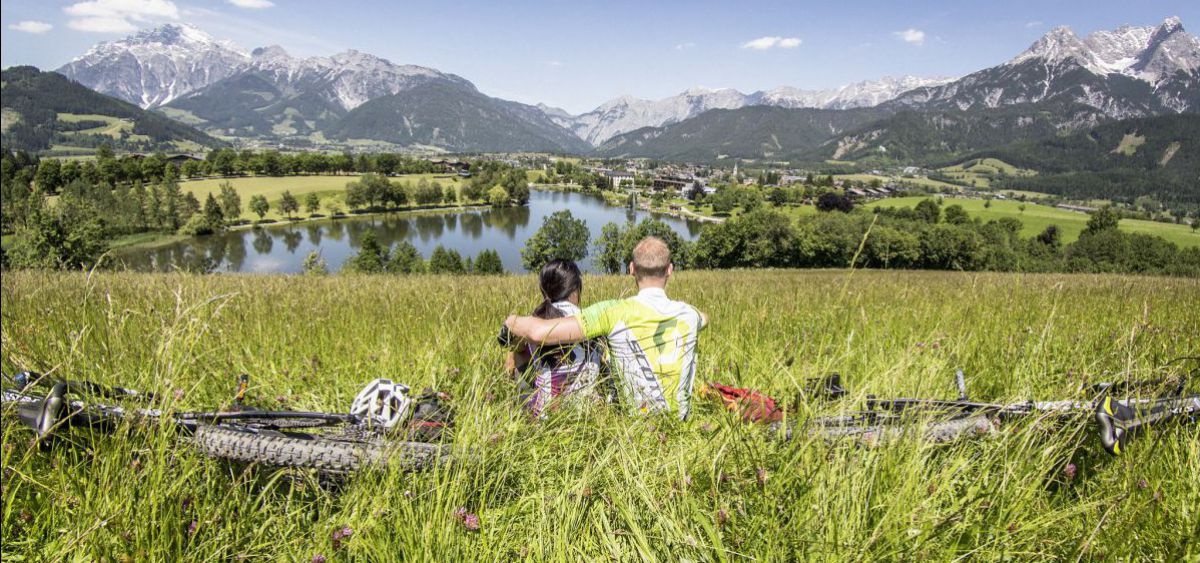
x: 149, y: 241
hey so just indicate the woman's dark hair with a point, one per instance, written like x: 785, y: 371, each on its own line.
x: 558, y: 280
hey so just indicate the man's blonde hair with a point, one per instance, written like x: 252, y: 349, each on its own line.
x: 651, y: 258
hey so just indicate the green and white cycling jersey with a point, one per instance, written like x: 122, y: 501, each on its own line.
x: 652, y: 344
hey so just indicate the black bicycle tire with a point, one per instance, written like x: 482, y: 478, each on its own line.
x: 935, y: 432
x: 333, y: 457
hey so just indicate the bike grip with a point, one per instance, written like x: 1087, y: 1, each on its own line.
x: 505, y: 338
x: 1109, y: 415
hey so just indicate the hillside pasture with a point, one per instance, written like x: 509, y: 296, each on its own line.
x: 980, y: 172
x: 1036, y: 218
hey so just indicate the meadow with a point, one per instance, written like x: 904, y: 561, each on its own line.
x: 595, y: 483
x: 980, y: 172
x: 329, y: 188
x: 1036, y: 218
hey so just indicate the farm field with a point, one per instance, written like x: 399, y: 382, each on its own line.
x: 1037, y: 217
x: 328, y: 188
x: 593, y: 483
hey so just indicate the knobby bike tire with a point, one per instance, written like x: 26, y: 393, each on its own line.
x: 326, y: 456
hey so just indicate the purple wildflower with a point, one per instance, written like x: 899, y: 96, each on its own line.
x: 318, y: 558
x: 1070, y: 470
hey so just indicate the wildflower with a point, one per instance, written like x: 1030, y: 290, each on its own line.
x: 26, y: 516
x: 1070, y: 470
x: 760, y: 475
x: 408, y: 494
x: 318, y: 558
x: 708, y: 427
x: 186, y: 504
x: 722, y: 517
x: 1143, y: 484
x: 281, y: 399
x: 1012, y: 528
x: 178, y: 394
x: 340, y: 534
x: 192, y: 528
x: 469, y: 520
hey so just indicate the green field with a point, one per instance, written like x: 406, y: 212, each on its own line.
x: 596, y: 484
x: 1037, y: 217
x: 113, y: 127
x: 980, y: 172
x: 328, y: 188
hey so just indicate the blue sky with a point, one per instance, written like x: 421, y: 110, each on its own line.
x: 576, y: 55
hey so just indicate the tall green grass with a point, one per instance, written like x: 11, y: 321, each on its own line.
x: 594, y: 483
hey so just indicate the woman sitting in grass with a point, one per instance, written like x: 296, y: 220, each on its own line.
x: 558, y: 372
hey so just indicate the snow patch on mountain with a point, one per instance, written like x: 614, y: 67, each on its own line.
x: 1147, y: 53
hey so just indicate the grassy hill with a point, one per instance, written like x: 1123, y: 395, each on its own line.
x: 45, y: 110
x: 592, y: 483
x: 1037, y: 217
x: 981, y: 172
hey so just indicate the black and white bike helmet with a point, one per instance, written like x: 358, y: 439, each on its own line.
x: 382, y: 402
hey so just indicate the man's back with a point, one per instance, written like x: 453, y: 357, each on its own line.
x: 652, y: 342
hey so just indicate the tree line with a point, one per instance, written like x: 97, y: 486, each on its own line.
x: 924, y: 237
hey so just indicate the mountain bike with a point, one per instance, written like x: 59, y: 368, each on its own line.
x: 385, y: 425
x: 939, y: 420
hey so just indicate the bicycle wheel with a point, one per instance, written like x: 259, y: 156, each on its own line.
x: 328, y: 456
x: 889, y: 429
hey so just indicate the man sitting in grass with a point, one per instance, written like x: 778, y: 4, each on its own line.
x: 651, y: 339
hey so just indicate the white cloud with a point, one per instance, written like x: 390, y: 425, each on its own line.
x: 771, y: 41
x: 554, y: 63
x: 1033, y: 24
x: 910, y: 35
x: 684, y: 46
x: 31, y: 26
x: 118, y: 16
x: 252, y: 4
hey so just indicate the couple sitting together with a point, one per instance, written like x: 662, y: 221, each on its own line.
x: 651, y: 339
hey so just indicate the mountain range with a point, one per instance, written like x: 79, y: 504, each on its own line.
x: 1061, y: 83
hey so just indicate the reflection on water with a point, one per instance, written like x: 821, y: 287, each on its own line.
x: 282, y: 248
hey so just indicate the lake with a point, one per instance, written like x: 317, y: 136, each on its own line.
x: 281, y: 248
